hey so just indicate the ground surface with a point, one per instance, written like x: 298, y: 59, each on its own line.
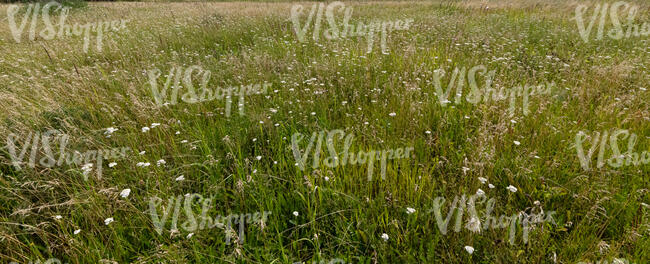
x: 387, y: 100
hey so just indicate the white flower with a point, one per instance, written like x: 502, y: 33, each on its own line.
x: 537, y: 157
x: 58, y: 217
x: 469, y: 249
x: 513, y: 121
x: 109, y: 131
x: 295, y: 213
x: 184, y: 141
x: 254, y: 139
x: 327, y: 178
x: 142, y: 152
x: 474, y: 225
x: 517, y: 142
x: 392, y: 114
x: 178, y: 132
x: 125, y: 193
x: 313, y: 113
x: 142, y: 164
x: 112, y: 164
x: 160, y: 162
x: 77, y: 231
x: 491, y: 186
x: 427, y: 132
x: 410, y: 210
x: 108, y: 220
x: 480, y: 192
x: 465, y: 169
x: 87, y: 168
x: 258, y: 157
x: 384, y: 236
x: 511, y: 188
x: 154, y: 125
x: 190, y: 235
x: 483, y: 180
x: 180, y: 178
x: 145, y: 129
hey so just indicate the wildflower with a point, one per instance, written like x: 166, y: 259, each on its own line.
x: 180, y: 178
x: 295, y: 213
x: 143, y: 164
x: 465, y: 169
x: 178, y: 132
x: 392, y: 114
x: 142, y: 152
x: 125, y: 193
x: 483, y: 180
x: 108, y: 220
x: 517, y: 142
x: 384, y: 236
x: 491, y: 186
x: 190, y: 235
x: 480, y: 192
x: 160, y: 162
x: 511, y: 188
x: 469, y: 249
x: 327, y: 178
x: 112, y: 164
x: 145, y: 129
x: 184, y: 141
x: 87, y: 168
x: 58, y: 217
x: 109, y: 131
x: 77, y: 231
x: 427, y: 132
x: 258, y: 157
x: 410, y: 210
x: 154, y: 125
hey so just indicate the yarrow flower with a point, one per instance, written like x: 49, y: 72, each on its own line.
x: 77, y: 231
x: 108, y: 220
x: 295, y: 213
x: 145, y: 129
x: 410, y: 210
x: 469, y: 249
x: 160, y: 162
x: 511, y: 188
x: 109, y: 131
x: 384, y: 236
x: 87, y: 168
x: 480, y: 192
x: 180, y: 178
x: 491, y: 186
x: 154, y: 125
x: 392, y: 114
x: 125, y: 193
x: 482, y: 180
x: 517, y: 142
x: 112, y: 164
x: 142, y: 164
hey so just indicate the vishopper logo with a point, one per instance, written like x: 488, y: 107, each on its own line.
x: 460, y: 77
x: 629, y: 28
x: 348, y: 157
x: 605, y: 140
x: 191, y: 224
x: 345, y: 29
x: 173, y: 81
x: 50, y: 31
x: 474, y: 223
x: 613, y: 261
x: 85, y: 160
x: 48, y: 261
x: 330, y: 261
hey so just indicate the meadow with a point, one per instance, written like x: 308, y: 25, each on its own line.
x: 511, y: 104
